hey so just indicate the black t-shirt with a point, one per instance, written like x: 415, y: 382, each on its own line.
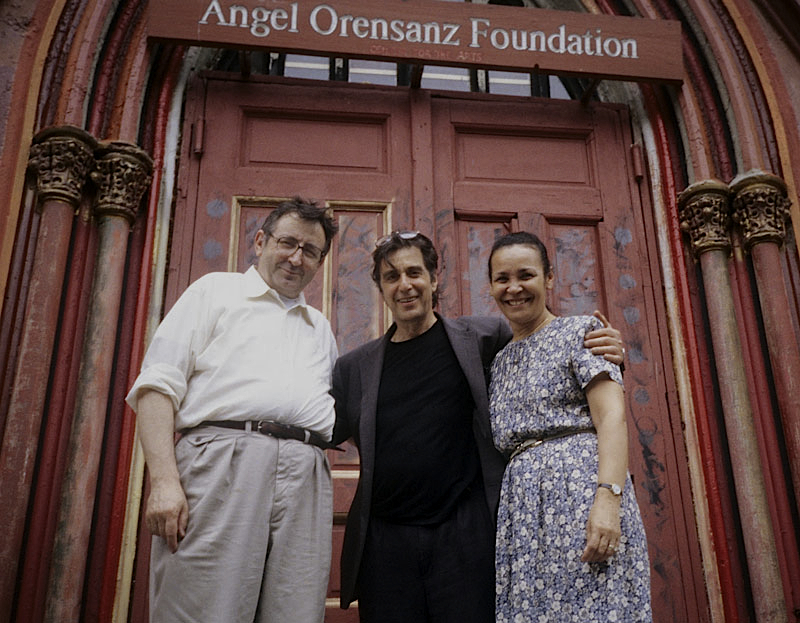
x: 425, y: 454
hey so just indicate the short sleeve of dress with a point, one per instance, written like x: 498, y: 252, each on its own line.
x: 587, y: 366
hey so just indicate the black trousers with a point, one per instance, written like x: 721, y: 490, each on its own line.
x: 430, y: 574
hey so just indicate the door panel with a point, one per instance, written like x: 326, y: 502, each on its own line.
x: 560, y: 158
x: 271, y: 140
x: 464, y: 171
x: 475, y: 233
x: 577, y: 286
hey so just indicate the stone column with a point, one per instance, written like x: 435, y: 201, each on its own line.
x: 122, y: 174
x: 761, y: 210
x: 705, y: 218
x: 60, y: 161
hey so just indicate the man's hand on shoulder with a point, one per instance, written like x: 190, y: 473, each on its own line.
x: 606, y: 341
x: 167, y: 512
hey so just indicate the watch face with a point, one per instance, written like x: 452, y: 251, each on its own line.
x: 614, y: 487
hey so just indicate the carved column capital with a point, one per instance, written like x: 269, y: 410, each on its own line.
x: 122, y: 173
x: 760, y: 207
x: 60, y: 159
x: 704, y: 209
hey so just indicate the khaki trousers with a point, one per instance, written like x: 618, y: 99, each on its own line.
x: 258, y: 541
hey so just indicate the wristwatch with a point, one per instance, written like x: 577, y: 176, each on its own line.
x: 613, y: 487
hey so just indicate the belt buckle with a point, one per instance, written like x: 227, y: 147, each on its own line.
x: 526, y: 445
x: 259, y: 425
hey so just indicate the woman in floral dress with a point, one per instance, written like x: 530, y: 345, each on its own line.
x: 570, y: 541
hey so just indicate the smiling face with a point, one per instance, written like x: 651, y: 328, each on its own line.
x: 408, y: 287
x: 288, y: 273
x: 519, y: 286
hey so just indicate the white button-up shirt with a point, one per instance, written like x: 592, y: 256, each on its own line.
x: 231, y: 349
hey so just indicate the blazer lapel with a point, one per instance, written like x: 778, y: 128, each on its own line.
x: 465, y: 346
x: 370, y: 367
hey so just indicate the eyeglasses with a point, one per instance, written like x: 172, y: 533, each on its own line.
x: 403, y: 235
x: 289, y: 245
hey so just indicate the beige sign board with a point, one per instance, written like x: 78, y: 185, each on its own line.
x: 432, y: 32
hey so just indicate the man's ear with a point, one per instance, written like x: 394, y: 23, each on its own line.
x: 259, y: 242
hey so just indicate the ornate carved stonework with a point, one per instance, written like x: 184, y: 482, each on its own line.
x: 122, y: 173
x: 760, y: 207
x: 704, y: 209
x: 60, y: 159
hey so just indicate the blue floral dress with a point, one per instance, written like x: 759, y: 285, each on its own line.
x: 537, y: 389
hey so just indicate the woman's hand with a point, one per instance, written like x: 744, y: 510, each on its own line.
x: 606, y: 341
x: 602, y: 528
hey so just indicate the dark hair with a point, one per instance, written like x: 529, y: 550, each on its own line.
x: 523, y: 238
x: 403, y: 240
x: 308, y: 211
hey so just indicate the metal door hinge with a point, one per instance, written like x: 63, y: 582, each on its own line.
x: 638, y: 162
x: 198, y: 137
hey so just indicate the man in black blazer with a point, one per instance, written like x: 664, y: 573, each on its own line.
x: 419, y: 541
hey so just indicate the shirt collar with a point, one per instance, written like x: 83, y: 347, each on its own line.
x: 255, y: 287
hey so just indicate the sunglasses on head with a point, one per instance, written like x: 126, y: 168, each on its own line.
x: 403, y: 235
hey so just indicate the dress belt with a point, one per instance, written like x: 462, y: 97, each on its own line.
x: 273, y: 429
x: 537, y: 441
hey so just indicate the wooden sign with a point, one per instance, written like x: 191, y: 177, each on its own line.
x: 432, y: 32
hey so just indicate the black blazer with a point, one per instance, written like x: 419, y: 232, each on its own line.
x: 356, y: 379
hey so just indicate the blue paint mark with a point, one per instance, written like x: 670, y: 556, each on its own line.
x: 216, y: 208
x: 622, y: 236
x: 641, y: 395
x: 212, y: 250
x: 627, y: 282
x: 634, y: 354
x: 631, y: 315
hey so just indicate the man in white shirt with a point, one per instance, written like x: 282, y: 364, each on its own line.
x: 241, y: 507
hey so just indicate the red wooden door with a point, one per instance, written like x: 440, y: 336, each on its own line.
x: 463, y: 170
x: 563, y: 171
x: 261, y: 143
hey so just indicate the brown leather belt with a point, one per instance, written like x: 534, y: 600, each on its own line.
x: 537, y: 441
x: 273, y: 429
